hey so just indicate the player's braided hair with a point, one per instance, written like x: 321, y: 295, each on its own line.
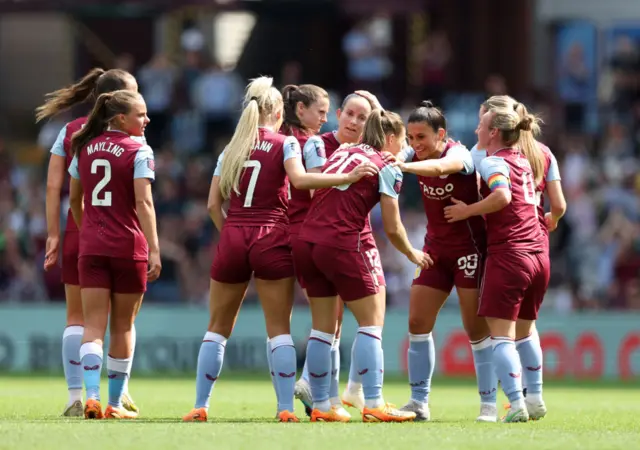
x: 91, y: 86
x: 105, y: 109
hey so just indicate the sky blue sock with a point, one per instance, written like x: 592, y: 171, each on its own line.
x: 283, y: 357
x: 117, y: 370
x: 319, y: 362
x: 270, y: 363
x: 421, y: 360
x: 530, y: 353
x: 71, y: 342
x: 485, y: 374
x: 334, y: 390
x: 354, y: 377
x: 210, y: 361
x: 305, y: 371
x: 91, y: 360
x: 507, y: 365
x: 369, y: 359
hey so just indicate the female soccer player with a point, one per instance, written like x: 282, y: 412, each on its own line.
x: 352, y: 116
x: 516, y: 272
x: 252, y: 173
x: 118, y: 238
x: 90, y: 87
x: 446, y: 173
x: 332, y: 262
x: 527, y: 338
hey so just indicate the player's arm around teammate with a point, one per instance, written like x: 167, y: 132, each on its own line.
x: 445, y: 171
x: 332, y: 264
x: 118, y: 238
x: 96, y: 82
x: 253, y: 173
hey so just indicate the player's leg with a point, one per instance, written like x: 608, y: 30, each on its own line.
x: 276, y: 298
x: 334, y: 390
x: 224, y: 305
x: 528, y: 340
x: 480, y: 340
x: 72, y: 336
x: 505, y: 280
x: 355, y: 279
x: 429, y: 291
x: 127, y: 401
x: 353, y: 395
x: 129, y: 284
x: 230, y: 276
x: 322, y: 302
x: 71, y: 342
x: 95, y: 285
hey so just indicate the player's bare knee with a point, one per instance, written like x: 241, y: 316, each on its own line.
x: 420, y: 325
x: 524, y: 328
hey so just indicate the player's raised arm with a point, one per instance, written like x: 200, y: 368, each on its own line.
x: 215, y: 200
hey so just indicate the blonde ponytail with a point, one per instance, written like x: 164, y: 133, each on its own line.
x: 529, y: 127
x: 261, y: 100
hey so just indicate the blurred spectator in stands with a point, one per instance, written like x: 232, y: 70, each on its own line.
x: 217, y: 95
x: 157, y: 81
x: 433, y: 55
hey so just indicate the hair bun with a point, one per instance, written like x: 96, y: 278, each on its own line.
x: 525, y: 124
x: 426, y: 104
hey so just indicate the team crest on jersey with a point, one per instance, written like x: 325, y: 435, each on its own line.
x: 320, y: 150
x: 397, y: 186
x: 151, y: 164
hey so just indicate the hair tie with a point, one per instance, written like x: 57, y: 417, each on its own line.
x: 515, y: 106
x: 254, y: 98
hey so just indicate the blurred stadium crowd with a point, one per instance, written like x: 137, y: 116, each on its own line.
x: 193, y: 105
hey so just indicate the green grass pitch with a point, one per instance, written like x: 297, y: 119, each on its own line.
x: 580, y: 416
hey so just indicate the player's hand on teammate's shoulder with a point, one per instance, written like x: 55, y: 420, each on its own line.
x: 155, y: 266
x: 456, y: 212
x: 389, y: 158
x: 420, y: 258
x: 345, y: 145
x: 364, y: 169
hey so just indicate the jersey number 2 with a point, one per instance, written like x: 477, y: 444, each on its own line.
x: 95, y: 195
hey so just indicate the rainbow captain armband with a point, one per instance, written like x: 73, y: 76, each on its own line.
x: 498, y: 181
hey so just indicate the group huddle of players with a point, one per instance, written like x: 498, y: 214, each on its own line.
x: 291, y: 204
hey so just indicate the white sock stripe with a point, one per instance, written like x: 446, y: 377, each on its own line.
x: 73, y: 330
x: 215, y: 337
x: 495, y: 341
x: 327, y: 338
x: 373, y: 331
x: 119, y: 365
x: 481, y: 344
x: 519, y: 342
x: 91, y: 348
x: 281, y: 341
x: 420, y: 337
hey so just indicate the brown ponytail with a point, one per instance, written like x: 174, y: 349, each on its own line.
x: 379, y: 125
x: 96, y: 82
x: 105, y: 109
